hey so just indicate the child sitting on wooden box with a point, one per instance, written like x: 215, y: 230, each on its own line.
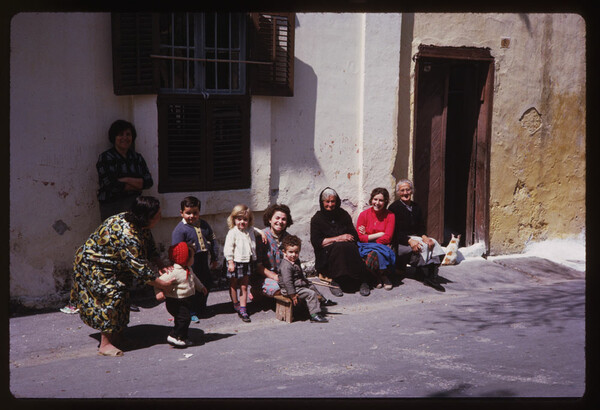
x: 292, y: 281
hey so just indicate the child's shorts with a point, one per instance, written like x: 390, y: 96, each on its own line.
x: 270, y: 286
x: 241, y: 269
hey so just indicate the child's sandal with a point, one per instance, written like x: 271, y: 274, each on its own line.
x: 244, y: 315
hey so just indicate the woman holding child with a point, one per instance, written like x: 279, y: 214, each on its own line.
x: 120, y: 250
x: 334, y: 240
x: 277, y: 218
x: 375, y: 227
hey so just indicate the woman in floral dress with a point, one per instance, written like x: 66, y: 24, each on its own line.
x: 104, y: 268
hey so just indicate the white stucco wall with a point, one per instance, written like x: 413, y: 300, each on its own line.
x: 338, y: 130
x: 340, y: 127
x: 61, y: 104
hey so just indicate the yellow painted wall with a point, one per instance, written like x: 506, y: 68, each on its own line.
x: 537, y: 165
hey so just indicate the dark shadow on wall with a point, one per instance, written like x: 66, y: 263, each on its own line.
x: 403, y: 133
x: 293, y: 141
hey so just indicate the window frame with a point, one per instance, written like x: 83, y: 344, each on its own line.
x: 208, y: 137
x: 136, y: 40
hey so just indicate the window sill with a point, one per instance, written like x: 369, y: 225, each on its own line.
x: 215, y: 202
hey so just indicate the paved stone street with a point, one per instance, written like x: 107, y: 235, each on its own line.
x: 509, y: 328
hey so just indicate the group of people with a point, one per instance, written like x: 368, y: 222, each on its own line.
x: 384, y: 240
x: 122, y: 250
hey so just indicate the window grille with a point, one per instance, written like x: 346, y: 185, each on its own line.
x: 202, y: 53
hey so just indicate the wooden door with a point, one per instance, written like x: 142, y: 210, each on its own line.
x: 433, y: 69
x: 430, y: 138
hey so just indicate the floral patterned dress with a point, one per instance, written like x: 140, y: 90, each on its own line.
x: 104, y: 269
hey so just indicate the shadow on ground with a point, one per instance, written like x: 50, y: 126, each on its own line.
x: 147, y: 335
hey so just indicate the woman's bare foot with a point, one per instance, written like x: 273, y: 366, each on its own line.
x: 106, y: 347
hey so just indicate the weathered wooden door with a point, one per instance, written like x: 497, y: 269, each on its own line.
x: 452, y: 132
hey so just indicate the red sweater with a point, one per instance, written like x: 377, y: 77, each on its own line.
x: 382, y: 221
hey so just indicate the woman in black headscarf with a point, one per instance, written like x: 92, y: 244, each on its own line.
x: 334, y: 239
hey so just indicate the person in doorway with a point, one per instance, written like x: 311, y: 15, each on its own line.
x: 412, y: 244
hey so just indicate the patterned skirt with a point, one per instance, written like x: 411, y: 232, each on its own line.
x: 241, y: 269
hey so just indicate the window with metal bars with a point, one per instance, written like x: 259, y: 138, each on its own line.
x: 204, y: 67
x: 201, y: 53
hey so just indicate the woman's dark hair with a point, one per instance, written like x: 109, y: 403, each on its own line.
x: 382, y: 191
x: 270, y: 211
x: 142, y: 211
x: 118, y: 127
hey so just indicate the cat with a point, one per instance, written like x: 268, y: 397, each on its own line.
x: 451, y: 251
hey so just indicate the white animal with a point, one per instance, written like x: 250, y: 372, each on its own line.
x: 451, y: 251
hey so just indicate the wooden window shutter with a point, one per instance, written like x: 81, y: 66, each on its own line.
x: 204, y: 144
x: 272, y: 39
x: 134, y: 39
x: 228, y: 137
x: 182, y: 143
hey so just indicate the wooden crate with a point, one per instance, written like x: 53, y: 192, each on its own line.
x: 284, y: 309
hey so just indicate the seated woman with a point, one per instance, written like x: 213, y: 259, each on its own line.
x: 413, y: 246
x: 375, y: 227
x: 334, y: 239
x: 277, y: 218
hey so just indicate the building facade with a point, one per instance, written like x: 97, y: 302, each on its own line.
x: 485, y: 112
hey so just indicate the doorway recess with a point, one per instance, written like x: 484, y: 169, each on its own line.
x: 453, y: 100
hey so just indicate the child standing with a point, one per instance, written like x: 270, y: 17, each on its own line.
x: 292, y: 281
x: 179, y: 300
x: 240, y: 253
x: 192, y: 229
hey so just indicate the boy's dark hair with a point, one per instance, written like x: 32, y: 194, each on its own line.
x: 190, y: 202
x: 118, y: 127
x: 274, y: 208
x: 291, y: 240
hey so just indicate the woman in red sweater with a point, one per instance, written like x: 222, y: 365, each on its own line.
x: 375, y: 227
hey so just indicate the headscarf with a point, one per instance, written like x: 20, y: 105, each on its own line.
x: 326, y: 193
x: 331, y: 223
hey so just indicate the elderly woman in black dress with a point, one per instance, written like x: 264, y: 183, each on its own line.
x: 334, y: 239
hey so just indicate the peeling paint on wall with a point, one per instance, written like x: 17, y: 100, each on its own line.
x: 531, y: 120
x: 537, y: 162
